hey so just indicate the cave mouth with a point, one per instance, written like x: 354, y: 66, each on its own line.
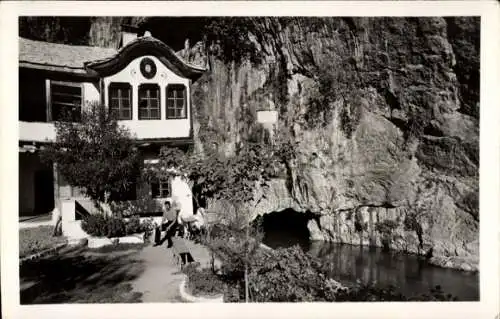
x: 285, y: 228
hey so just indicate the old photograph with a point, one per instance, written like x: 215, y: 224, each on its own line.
x: 248, y: 159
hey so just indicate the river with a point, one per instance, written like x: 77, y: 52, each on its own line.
x: 410, y: 273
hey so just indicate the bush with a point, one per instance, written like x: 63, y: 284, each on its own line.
x: 147, y: 227
x: 141, y: 206
x: 203, y: 281
x: 350, y: 116
x: 386, y: 227
x: 110, y: 226
x: 359, y: 225
x: 115, y: 227
x: 470, y: 203
x: 133, y: 225
x: 95, y: 225
x: 290, y: 275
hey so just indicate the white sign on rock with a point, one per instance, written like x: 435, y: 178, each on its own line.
x: 267, y: 117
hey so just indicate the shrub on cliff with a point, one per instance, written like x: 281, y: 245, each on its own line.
x: 230, y: 37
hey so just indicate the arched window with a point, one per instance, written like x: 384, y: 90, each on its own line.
x: 149, y: 102
x: 120, y: 100
x: 176, y: 101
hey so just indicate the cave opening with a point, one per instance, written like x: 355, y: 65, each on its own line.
x: 285, y: 228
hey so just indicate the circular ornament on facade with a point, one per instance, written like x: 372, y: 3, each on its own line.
x: 148, y: 68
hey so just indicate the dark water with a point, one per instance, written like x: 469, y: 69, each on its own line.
x: 410, y: 273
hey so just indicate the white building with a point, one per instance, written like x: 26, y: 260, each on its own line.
x: 143, y: 81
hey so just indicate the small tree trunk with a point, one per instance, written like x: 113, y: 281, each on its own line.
x: 246, y: 265
x: 107, y: 211
x: 246, y: 282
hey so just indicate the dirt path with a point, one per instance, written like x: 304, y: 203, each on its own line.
x: 161, y: 278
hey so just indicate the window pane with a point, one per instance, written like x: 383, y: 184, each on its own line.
x: 124, y: 93
x: 153, y: 93
x: 153, y: 103
x: 170, y: 113
x: 170, y: 103
x: 125, y: 114
x: 143, y: 113
x: 125, y: 103
x: 165, y: 193
x: 154, y: 113
x: 143, y: 104
x: 113, y: 92
x: 114, y: 103
x: 180, y: 103
x: 165, y: 189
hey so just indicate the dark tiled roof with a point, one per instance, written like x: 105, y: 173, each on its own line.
x: 59, y: 55
x: 86, y: 60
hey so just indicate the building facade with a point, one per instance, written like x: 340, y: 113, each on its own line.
x: 143, y: 82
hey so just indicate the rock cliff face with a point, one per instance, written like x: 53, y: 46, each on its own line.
x: 384, y: 111
x: 385, y: 114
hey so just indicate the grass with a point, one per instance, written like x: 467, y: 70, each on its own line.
x: 37, y: 239
x: 81, y: 276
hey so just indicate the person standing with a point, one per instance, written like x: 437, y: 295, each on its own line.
x: 57, y: 216
x: 177, y: 222
x: 168, y: 220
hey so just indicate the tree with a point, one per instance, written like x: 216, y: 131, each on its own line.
x: 95, y: 154
x: 234, y: 180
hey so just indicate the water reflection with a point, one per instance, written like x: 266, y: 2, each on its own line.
x: 410, y: 273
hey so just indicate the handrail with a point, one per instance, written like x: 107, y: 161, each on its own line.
x: 80, y: 210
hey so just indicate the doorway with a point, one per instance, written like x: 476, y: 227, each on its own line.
x: 44, y: 191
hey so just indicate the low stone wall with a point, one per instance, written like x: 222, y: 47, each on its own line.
x: 98, y: 242
x: 51, y: 251
x: 43, y: 253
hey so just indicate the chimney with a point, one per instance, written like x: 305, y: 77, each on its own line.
x: 128, y: 34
